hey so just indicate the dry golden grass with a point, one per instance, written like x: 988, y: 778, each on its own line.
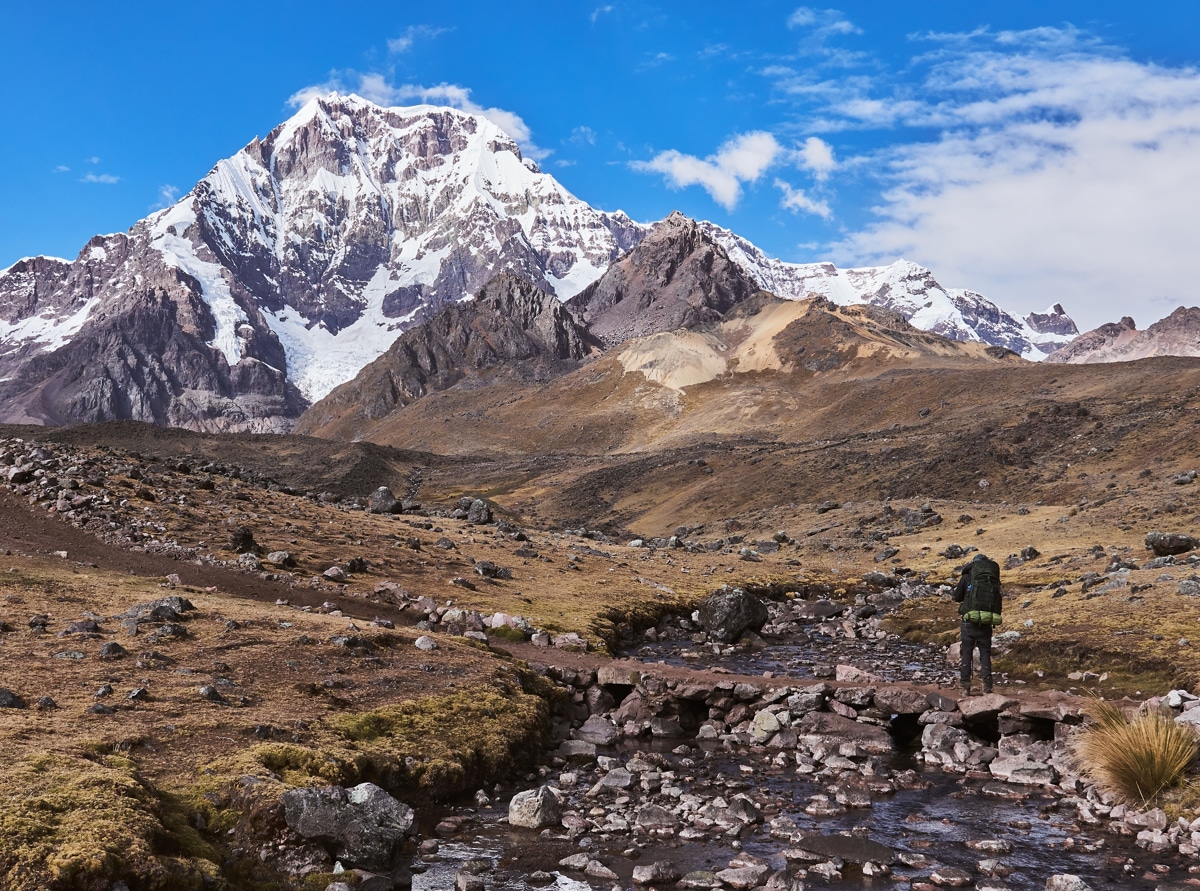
x: 1138, y: 759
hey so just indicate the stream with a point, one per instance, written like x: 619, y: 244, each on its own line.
x: 999, y: 836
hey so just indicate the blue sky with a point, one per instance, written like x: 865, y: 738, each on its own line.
x: 1035, y: 152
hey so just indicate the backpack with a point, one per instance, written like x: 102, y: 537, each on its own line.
x: 982, y: 603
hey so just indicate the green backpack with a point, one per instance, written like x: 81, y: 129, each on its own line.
x: 982, y: 604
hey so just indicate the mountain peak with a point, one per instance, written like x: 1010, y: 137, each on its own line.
x: 677, y: 277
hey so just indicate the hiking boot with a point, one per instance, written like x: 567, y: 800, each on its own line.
x: 987, y: 688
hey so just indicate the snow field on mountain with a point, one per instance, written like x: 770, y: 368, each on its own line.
x: 180, y: 253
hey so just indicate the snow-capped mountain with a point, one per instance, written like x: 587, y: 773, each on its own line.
x: 908, y: 289
x: 299, y: 260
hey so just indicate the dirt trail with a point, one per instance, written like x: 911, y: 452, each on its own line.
x: 33, y: 531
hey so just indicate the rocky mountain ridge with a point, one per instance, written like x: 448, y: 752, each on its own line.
x: 1176, y: 335
x: 300, y: 259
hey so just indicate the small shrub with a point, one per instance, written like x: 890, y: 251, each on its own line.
x: 1137, y: 760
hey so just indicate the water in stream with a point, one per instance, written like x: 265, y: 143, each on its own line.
x: 934, y: 823
x: 928, y: 827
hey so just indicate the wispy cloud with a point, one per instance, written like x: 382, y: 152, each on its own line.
x: 818, y: 28
x: 62, y: 168
x: 376, y: 88
x: 106, y: 178
x: 166, y: 197
x: 797, y: 200
x: 600, y: 11
x: 413, y: 33
x: 741, y: 159
x: 583, y: 136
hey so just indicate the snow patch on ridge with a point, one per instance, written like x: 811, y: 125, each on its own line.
x: 49, y: 331
x: 180, y: 253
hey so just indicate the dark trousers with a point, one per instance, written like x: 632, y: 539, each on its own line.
x: 976, y: 637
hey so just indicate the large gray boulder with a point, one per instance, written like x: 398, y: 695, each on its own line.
x: 364, y: 824
x: 535, y: 809
x: 382, y: 501
x: 731, y: 611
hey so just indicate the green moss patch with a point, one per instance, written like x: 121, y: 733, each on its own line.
x: 73, y: 821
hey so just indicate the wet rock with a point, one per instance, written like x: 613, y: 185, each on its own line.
x: 1067, y: 883
x: 653, y: 816
x: 364, y: 823
x: 598, y: 870
x: 951, y: 877
x: 535, y: 808
x: 661, y: 872
x: 743, y: 877
x: 725, y: 614
x: 598, y: 730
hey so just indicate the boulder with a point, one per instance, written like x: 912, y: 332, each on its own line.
x: 382, y: 501
x: 729, y: 612
x: 535, y: 809
x: 364, y: 824
x: 241, y: 541
x: 479, y: 512
x: 598, y: 730
x: 1169, y: 543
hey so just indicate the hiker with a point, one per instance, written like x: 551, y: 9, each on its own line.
x: 978, y: 593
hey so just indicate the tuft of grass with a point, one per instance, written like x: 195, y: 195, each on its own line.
x: 1137, y: 760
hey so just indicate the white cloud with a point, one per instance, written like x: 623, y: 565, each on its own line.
x: 796, y: 200
x: 376, y: 88
x: 816, y: 156
x: 413, y: 33
x: 62, y: 168
x: 106, y: 178
x: 166, y: 197
x: 1035, y: 167
x: 741, y: 159
x: 599, y: 11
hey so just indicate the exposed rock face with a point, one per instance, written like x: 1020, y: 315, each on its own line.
x: 678, y: 277
x: 1054, y: 321
x: 511, y: 325
x: 1176, y: 335
x: 288, y: 268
